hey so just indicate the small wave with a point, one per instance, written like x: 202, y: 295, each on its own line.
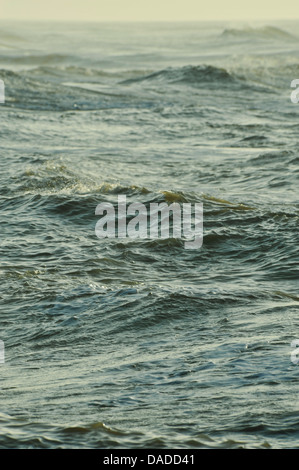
x: 98, y: 426
x: 254, y: 141
x: 67, y: 71
x: 30, y: 91
x: 24, y: 434
x: 38, y: 59
x: 265, y: 32
x: 235, y: 206
x: 56, y: 178
x: 189, y: 74
x: 287, y: 295
x: 174, y: 196
x: 116, y: 188
x: 8, y: 36
x: 270, y: 157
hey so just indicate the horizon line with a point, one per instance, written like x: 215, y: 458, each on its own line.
x: 205, y: 20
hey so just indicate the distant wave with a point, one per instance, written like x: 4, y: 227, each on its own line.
x: 27, y: 90
x: 37, y: 59
x: 66, y: 71
x: 265, y: 32
x: 8, y: 36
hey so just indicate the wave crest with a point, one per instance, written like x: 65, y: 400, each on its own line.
x: 189, y: 74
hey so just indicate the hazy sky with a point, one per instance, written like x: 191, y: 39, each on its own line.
x: 149, y: 10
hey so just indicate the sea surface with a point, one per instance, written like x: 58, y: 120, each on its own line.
x: 142, y: 343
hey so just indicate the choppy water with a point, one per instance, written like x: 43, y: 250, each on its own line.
x: 142, y: 343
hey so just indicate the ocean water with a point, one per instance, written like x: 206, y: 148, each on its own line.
x: 138, y: 342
